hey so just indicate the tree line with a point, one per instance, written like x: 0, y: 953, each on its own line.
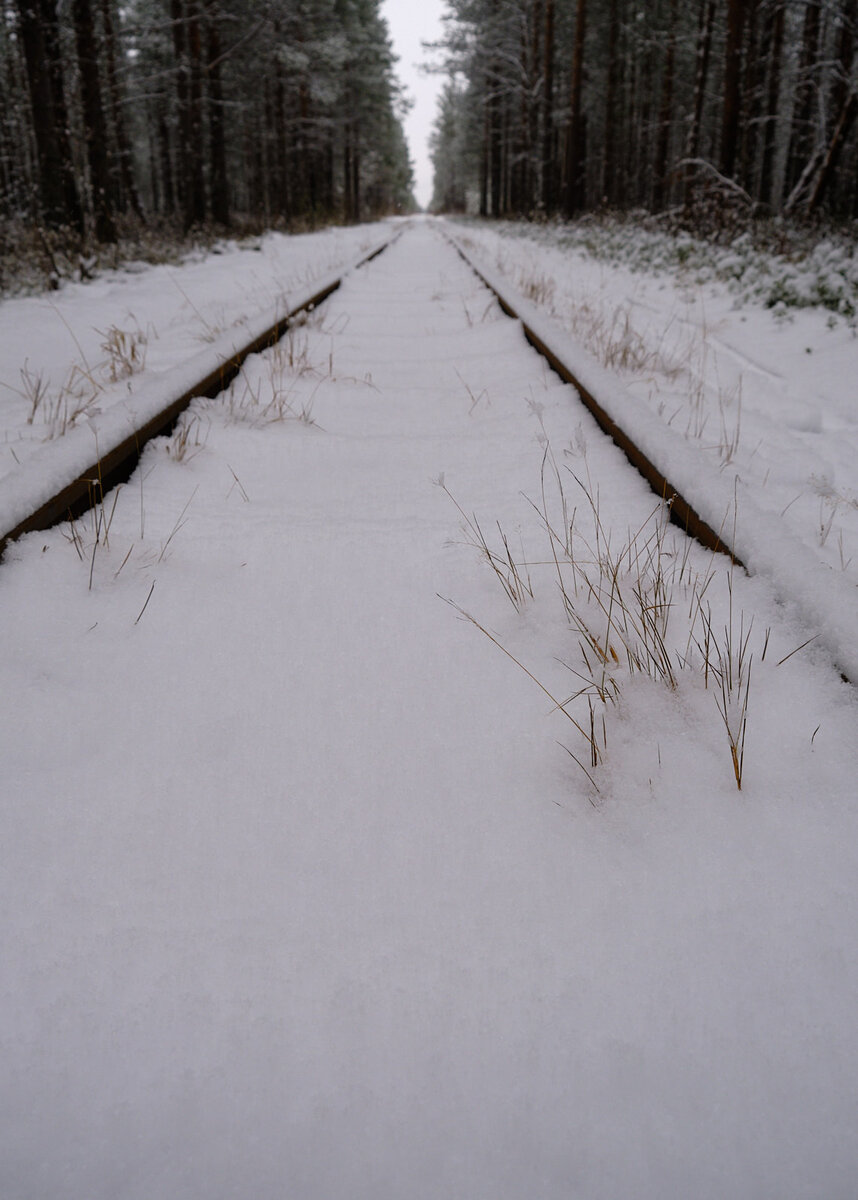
x: 185, y: 112
x: 564, y: 106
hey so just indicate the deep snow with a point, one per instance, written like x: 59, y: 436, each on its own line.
x: 301, y: 897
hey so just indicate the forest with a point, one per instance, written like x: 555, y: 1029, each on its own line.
x: 711, y: 108
x: 178, y: 113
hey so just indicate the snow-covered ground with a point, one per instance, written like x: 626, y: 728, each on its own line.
x: 67, y: 356
x: 301, y: 896
x: 766, y: 389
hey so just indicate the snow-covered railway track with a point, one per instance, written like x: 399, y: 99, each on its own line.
x: 68, y: 488
x: 301, y: 897
x: 682, y: 513
x: 715, y: 508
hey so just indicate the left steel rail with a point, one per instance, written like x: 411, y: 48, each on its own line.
x: 114, y: 463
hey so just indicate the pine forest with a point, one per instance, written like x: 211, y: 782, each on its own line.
x: 178, y: 113
x: 711, y: 108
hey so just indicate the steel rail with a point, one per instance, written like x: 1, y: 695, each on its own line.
x: 681, y: 512
x: 115, y: 464
x: 829, y: 607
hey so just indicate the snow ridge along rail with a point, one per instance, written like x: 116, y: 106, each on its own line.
x: 702, y: 499
x: 63, y: 478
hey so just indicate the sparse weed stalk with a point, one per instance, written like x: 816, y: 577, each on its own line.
x: 641, y: 609
x: 34, y: 388
x: 189, y: 438
x: 125, y: 350
x: 514, y: 580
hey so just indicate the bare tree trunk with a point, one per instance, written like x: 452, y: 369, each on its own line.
x: 575, y: 164
x: 802, y: 135
x: 217, y: 135
x: 95, y: 126
x: 167, y: 188
x: 549, y: 188
x: 196, y: 210
x: 704, y: 54
x: 127, y: 186
x: 58, y: 206
x: 736, y: 14
x: 609, y: 180
x: 183, y: 139
x: 51, y: 29
x: 775, y: 38
x: 664, y: 122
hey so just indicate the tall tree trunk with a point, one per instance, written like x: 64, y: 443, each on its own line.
x: 183, y: 120
x: 842, y: 103
x: 775, y: 39
x: 575, y: 165
x: 802, y: 139
x: 612, y: 102
x: 53, y: 172
x: 736, y: 14
x: 495, y: 147
x: 51, y: 29
x: 753, y: 91
x: 167, y: 188
x: 665, y: 116
x: 704, y: 55
x: 196, y: 210
x: 217, y: 134
x: 95, y: 126
x: 127, y: 185
x: 549, y: 187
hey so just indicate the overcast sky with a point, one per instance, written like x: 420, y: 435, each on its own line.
x: 410, y: 22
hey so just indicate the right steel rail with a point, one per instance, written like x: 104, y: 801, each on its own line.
x: 681, y: 512
x: 825, y: 599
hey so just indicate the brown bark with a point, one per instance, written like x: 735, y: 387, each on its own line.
x: 612, y: 102
x: 802, y: 135
x: 195, y: 213
x: 736, y: 14
x: 217, y: 133
x: 775, y: 38
x: 95, y: 126
x: 127, y: 190
x: 665, y: 116
x: 58, y: 206
x: 549, y: 189
x: 704, y: 55
x: 575, y: 165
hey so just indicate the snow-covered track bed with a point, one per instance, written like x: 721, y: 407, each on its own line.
x: 66, y: 477
x: 713, y: 506
x: 301, y: 896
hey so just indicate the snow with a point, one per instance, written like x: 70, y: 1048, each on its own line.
x: 758, y: 537
x: 155, y: 319
x: 302, y: 897
x: 764, y: 389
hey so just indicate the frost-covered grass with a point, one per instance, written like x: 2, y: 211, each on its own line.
x: 780, y: 267
x: 67, y: 356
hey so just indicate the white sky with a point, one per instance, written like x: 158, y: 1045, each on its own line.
x: 410, y: 22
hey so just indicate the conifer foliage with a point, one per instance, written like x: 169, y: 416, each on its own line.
x: 564, y: 106
x: 185, y: 112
